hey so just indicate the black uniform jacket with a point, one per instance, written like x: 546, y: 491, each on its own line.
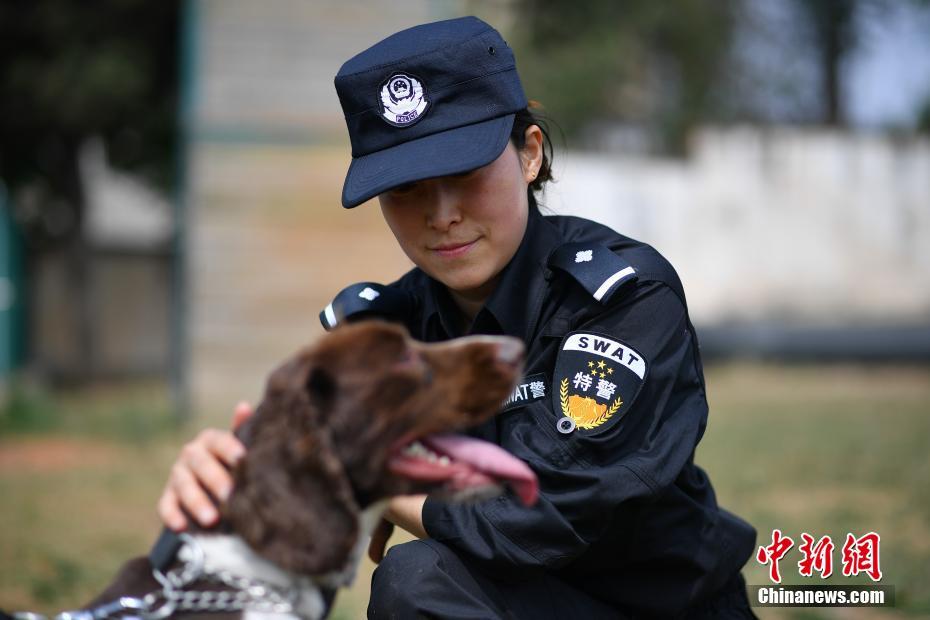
x: 624, y: 513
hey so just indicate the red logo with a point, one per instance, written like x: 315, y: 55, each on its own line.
x: 817, y: 557
x: 860, y: 555
x: 773, y: 553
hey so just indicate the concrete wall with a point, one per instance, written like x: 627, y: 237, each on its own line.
x: 266, y: 68
x: 782, y: 225
x: 268, y: 243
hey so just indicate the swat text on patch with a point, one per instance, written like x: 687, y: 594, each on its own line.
x: 531, y: 388
x: 607, y: 348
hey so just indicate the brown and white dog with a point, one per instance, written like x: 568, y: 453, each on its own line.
x: 362, y: 415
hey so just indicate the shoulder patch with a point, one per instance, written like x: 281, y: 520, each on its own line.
x: 367, y: 298
x: 596, y: 380
x: 596, y: 267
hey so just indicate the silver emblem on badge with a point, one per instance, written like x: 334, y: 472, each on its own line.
x: 403, y: 101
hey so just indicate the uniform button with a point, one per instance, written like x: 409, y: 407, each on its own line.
x: 565, y: 425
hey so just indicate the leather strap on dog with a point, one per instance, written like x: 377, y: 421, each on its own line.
x: 165, y: 549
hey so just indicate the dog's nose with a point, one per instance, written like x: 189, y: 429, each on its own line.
x: 509, y: 350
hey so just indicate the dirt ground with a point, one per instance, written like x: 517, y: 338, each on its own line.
x: 824, y: 449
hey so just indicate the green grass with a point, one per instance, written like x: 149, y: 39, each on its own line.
x: 136, y: 413
x: 79, y: 475
x: 827, y: 450
x: 821, y: 449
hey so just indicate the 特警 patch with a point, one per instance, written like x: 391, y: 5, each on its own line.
x: 596, y: 379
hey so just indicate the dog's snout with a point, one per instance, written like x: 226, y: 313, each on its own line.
x: 509, y: 350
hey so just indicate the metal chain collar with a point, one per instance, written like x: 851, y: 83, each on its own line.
x: 247, y: 593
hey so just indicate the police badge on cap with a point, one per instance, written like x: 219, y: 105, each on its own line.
x: 403, y: 100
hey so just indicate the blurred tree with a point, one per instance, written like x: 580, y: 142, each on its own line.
x: 643, y: 63
x: 835, y: 37
x: 923, y: 117
x: 662, y: 68
x: 70, y: 71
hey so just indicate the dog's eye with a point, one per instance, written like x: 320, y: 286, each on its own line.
x: 320, y: 385
x: 410, y: 359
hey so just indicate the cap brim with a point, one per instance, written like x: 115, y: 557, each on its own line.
x: 449, y: 152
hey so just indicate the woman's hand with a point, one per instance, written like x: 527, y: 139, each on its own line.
x: 405, y: 511
x: 379, y: 539
x: 202, y: 470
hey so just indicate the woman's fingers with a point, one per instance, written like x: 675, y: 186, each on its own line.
x: 200, y: 472
x: 379, y: 539
x: 241, y: 413
x: 223, y: 445
x: 205, y: 458
x: 191, y: 496
x: 169, y: 510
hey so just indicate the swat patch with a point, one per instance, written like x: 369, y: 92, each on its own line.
x: 596, y: 380
x: 530, y: 389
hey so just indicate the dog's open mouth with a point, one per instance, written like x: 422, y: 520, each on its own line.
x: 465, y: 467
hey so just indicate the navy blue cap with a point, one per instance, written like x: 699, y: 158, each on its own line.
x: 429, y: 101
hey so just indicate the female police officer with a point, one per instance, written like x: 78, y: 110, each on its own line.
x: 612, y: 404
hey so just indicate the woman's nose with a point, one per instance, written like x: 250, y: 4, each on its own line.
x: 446, y: 209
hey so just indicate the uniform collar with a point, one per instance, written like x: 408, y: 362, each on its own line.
x: 514, y: 306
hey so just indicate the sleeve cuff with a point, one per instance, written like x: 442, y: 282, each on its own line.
x: 433, y: 518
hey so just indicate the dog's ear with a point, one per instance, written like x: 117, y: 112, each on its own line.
x: 293, y: 502
x: 293, y: 505
x: 320, y: 386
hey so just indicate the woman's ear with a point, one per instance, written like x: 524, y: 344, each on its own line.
x: 531, y: 155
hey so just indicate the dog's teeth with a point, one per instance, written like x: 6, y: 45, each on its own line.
x: 418, y: 450
x: 415, y: 449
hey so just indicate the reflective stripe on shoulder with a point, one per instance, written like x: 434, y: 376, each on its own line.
x: 366, y: 299
x: 596, y: 267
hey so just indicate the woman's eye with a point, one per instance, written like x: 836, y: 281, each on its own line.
x: 465, y: 174
x: 406, y: 188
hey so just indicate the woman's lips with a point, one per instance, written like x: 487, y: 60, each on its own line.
x: 452, y: 250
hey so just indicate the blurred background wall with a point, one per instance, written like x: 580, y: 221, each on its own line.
x: 173, y: 192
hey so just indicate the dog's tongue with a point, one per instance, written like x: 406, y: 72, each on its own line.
x: 490, y: 460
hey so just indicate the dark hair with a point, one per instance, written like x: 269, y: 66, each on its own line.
x: 523, y: 119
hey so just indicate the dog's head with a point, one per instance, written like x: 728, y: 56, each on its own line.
x: 364, y: 414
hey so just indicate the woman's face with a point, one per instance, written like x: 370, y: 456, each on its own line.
x: 463, y: 230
